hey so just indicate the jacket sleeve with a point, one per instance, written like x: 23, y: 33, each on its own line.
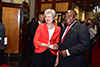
x: 28, y: 35
x: 58, y: 38
x: 94, y: 31
x: 3, y: 31
x: 84, y: 42
x: 36, y: 40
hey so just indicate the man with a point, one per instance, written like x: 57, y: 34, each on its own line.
x: 29, y: 38
x: 93, y: 31
x: 62, y: 25
x: 33, y: 30
x: 2, y: 45
x: 35, y: 25
x: 74, y: 44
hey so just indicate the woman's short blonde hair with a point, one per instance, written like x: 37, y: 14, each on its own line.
x: 50, y: 11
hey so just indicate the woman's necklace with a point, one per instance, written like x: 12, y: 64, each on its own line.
x: 51, y: 27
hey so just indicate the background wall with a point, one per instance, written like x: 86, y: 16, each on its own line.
x: 20, y: 1
x: 30, y: 2
x: 15, y: 1
x: 80, y: 12
x: 90, y: 15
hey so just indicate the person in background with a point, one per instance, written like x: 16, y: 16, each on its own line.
x: 62, y: 25
x: 74, y: 42
x: 29, y: 38
x: 93, y: 31
x: 33, y: 30
x: 2, y: 47
x: 46, y: 37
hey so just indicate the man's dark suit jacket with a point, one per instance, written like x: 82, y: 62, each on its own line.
x: 2, y: 35
x: 28, y: 33
x: 31, y: 28
x: 60, y: 25
x: 77, y: 42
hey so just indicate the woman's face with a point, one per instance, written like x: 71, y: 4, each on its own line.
x: 49, y: 18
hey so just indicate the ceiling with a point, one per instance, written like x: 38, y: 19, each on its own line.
x: 87, y: 5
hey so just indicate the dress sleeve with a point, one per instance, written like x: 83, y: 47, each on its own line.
x: 36, y: 40
x: 58, y: 38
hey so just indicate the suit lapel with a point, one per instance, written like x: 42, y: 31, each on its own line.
x: 70, y: 31
x: 62, y: 32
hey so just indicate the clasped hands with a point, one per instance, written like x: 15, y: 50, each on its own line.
x: 54, y: 47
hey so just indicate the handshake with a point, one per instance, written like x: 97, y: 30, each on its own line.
x: 54, y: 47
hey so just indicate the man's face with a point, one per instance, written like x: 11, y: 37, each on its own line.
x: 70, y: 17
x: 41, y: 18
x: 89, y: 21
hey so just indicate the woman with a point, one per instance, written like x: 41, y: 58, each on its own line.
x: 46, y: 37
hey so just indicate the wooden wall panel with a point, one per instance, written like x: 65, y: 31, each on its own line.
x: 11, y: 20
x: 45, y: 6
x: 60, y: 5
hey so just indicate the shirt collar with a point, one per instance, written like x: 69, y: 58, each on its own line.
x: 63, y: 25
x: 73, y: 23
x: 39, y: 22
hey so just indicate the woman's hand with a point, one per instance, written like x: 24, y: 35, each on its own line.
x: 57, y: 61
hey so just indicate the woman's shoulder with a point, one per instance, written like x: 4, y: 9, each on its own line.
x: 42, y: 25
x: 57, y: 27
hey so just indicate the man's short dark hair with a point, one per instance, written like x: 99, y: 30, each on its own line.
x: 74, y: 11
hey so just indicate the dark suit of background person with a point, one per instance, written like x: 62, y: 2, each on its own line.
x: 62, y: 25
x: 33, y: 30
x: 29, y: 38
x: 2, y: 48
x: 2, y: 45
x: 76, y: 42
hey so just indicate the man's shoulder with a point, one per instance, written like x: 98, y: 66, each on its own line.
x: 29, y: 23
x: 36, y: 23
x: 80, y: 24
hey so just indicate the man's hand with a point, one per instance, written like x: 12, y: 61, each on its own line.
x: 63, y: 53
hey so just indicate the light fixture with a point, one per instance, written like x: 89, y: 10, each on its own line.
x: 90, y: 4
x: 96, y: 10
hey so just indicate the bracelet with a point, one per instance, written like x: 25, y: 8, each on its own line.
x: 57, y: 54
x: 48, y: 45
